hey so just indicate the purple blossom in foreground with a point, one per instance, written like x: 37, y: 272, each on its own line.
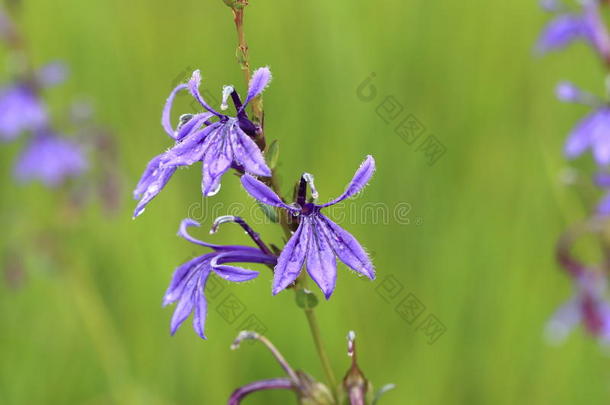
x: 189, y: 280
x: 591, y: 132
x: 588, y: 306
x: 585, y: 25
x: 221, y: 144
x: 50, y: 159
x: 317, y: 240
x: 20, y: 110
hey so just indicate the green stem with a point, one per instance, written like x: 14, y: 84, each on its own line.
x: 317, y: 338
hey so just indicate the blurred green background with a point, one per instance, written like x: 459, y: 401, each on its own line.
x: 477, y: 251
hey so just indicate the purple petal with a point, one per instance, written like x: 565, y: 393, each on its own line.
x: 193, y: 147
x: 321, y: 264
x: 274, y: 383
x: 360, y: 179
x: 568, y: 92
x: 20, y: 110
x: 181, y: 275
x: 346, y: 247
x: 216, y: 161
x: 262, y: 193
x: 596, y: 29
x: 600, y: 136
x: 192, y: 125
x: 291, y: 259
x: 602, y: 179
x: 52, y: 74
x: 167, y: 109
x: 561, y: 31
x: 185, y: 305
x: 259, y: 81
x: 153, y: 180
x: 580, y: 137
x: 603, y: 208
x: 183, y: 233
x: 235, y: 274
x: 247, y: 154
x: 193, y: 86
x: 201, y: 306
x: 51, y: 160
x: 564, y: 320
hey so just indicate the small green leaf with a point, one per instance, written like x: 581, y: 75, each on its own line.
x: 268, y: 211
x: 273, y: 153
x: 305, y: 299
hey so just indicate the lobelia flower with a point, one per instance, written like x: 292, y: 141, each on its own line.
x: 317, y: 239
x: 187, y: 286
x: 591, y: 132
x: 588, y: 306
x: 20, y: 110
x: 585, y: 25
x: 50, y: 159
x: 221, y: 144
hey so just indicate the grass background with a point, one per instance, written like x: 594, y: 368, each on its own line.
x: 89, y: 329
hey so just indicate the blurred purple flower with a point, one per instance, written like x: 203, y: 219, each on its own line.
x: 219, y: 145
x: 588, y: 306
x: 189, y: 280
x: 50, y: 159
x: 584, y: 25
x: 317, y: 240
x: 591, y: 132
x: 20, y: 110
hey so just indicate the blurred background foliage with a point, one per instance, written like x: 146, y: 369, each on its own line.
x: 80, y: 305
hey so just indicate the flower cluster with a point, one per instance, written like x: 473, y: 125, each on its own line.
x: 589, y: 305
x: 222, y: 142
x: 47, y: 157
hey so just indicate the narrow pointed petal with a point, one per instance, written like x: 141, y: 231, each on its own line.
x: 185, y: 305
x: 167, y: 109
x: 359, y: 181
x: 201, y: 306
x: 580, y: 138
x: 193, y: 86
x: 291, y: 259
x: 603, y: 207
x: 600, y: 136
x: 216, y: 161
x: 262, y: 193
x: 247, y: 154
x: 560, y: 32
x: 259, y: 81
x: 235, y: 274
x: 179, y: 279
x: 192, y: 125
x: 183, y: 233
x: 563, y: 321
x: 243, y: 255
x: 596, y: 29
x: 346, y: 247
x: 193, y: 147
x: 154, y: 178
x: 271, y: 384
x: 321, y: 264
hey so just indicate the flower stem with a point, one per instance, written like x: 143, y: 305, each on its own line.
x: 315, y: 333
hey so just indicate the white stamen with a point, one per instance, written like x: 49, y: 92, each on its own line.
x: 226, y: 92
x: 310, y: 180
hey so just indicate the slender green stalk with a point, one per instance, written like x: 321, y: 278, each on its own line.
x: 317, y: 338
x: 238, y: 7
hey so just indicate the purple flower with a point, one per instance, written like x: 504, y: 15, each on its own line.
x: 20, y: 110
x: 591, y: 132
x: 317, y: 240
x: 585, y: 25
x: 50, y: 159
x: 189, y: 280
x: 588, y: 306
x: 220, y: 144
